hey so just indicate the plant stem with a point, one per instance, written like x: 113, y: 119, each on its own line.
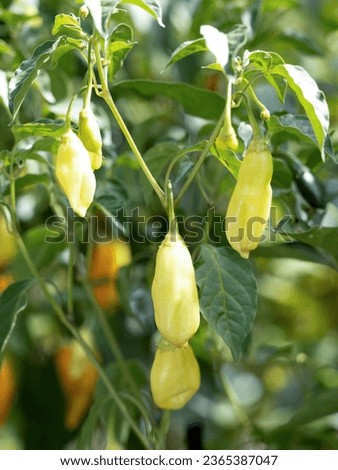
x: 233, y: 398
x: 201, y: 159
x: 106, y: 95
x: 111, y: 339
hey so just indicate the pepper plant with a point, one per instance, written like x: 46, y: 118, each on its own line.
x: 215, y: 178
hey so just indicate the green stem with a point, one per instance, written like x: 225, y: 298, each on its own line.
x: 70, y: 279
x: 171, y: 212
x: 255, y: 127
x: 256, y: 100
x: 235, y: 403
x: 111, y: 339
x: 163, y: 430
x: 201, y: 159
x: 227, y: 111
x: 106, y: 95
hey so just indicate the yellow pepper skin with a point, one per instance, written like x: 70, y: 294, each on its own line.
x: 7, y: 390
x: 174, y: 292
x: 226, y: 139
x: 174, y: 377
x: 105, y: 261
x: 7, y: 244
x: 74, y: 173
x: 249, y: 206
x: 77, y: 377
x: 90, y: 135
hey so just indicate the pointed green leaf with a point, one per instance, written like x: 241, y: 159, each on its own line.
x: 187, y: 48
x: 228, y: 294
x: 95, y: 9
x: 27, y: 72
x: 12, y: 301
x: 228, y: 159
x: 310, y: 97
x: 150, y: 6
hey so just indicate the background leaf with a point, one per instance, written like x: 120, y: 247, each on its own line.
x: 196, y: 101
x: 227, y: 289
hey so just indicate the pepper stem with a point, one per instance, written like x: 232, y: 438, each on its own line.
x: 171, y: 212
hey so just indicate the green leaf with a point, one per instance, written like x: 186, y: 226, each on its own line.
x: 316, y: 407
x: 27, y: 72
x: 12, y: 301
x: 68, y: 25
x: 324, y: 238
x: 228, y: 297
x: 196, y: 101
x: 299, y: 125
x: 310, y: 97
x: 187, y: 48
x: 265, y: 61
x: 228, y: 159
x: 119, y: 44
x: 41, y: 128
x: 217, y: 43
x: 150, y: 6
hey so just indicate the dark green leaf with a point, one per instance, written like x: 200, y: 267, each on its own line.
x: 12, y: 301
x: 310, y: 97
x: 195, y: 101
x: 282, y: 177
x: 228, y: 297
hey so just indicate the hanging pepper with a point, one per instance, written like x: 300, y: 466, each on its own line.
x: 74, y: 173
x: 249, y: 206
x: 175, y: 376
x: 174, y: 292
x: 90, y: 135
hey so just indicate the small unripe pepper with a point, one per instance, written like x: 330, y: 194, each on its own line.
x: 174, y: 377
x: 90, y: 135
x: 226, y: 139
x: 174, y: 292
x: 249, y: 206
x: 74, y: 173
x: 7, y: 390
x: 105, y: 261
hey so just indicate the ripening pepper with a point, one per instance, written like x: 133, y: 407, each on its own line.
x: 174, y: 292
x: 105, y: 261
x: 77, y: 377
x: 90, y: 135
x: 249, y: 206
x: 7, y: 243
x: 74, y: 173
x: 174, y: 377
x: 7, y: 390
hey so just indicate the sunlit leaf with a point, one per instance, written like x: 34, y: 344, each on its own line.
x: 217, y: 43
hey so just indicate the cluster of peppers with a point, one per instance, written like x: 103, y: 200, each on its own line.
x: 175, y: 374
